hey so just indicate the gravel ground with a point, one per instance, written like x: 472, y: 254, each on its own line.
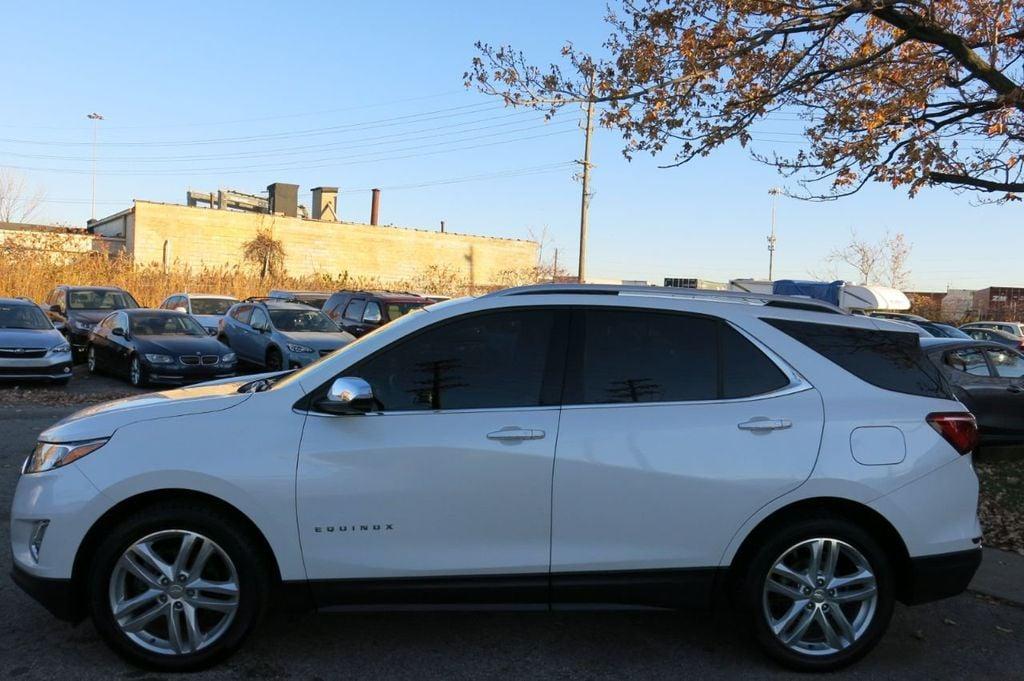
x: 964, y: 637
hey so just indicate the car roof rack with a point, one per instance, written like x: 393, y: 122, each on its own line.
x: 276, y: 299
x: 742, y: 297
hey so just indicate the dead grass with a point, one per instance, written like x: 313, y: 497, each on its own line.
x: 1001, y: 506
x: 33, y: 271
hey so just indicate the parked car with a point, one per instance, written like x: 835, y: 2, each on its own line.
x: 30, y: 346
x: 989, y: 379
x: 360, y: 312
x: 1013, y: 328
x: 995, y: 336
x: 75, y: 310
x: 812, y: 463
x: 205, y: 308
x: 940, y: 330
x: 313, y: 298
x: 898, y: 316
x: 157, y: 346
x: 277, y: 334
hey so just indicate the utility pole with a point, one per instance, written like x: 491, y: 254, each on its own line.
x: 773, y: 192
x: 554, y: 268
x: 585, y: 198
x: 95, y: 118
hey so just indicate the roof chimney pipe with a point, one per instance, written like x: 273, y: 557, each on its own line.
x: 325, y: 203
x: 374, y: 206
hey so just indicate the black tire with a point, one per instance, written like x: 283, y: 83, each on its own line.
x: 137, y: 372
x: 90, y: 360
x: 274, y: 360
x: 754, y: 600
x: 254, y: 581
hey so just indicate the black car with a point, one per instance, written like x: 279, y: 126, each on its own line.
x: 157, y: 346
x: 995, y: 336
x: 360, y: 312
x: 75, y: 310
x: 989, y: 379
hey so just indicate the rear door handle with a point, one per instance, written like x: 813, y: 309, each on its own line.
x: 514, y: 434
x: 1015, y: 389
x: 764, y: 425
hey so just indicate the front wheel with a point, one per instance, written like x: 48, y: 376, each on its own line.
x: 90, y: 360
x: 274, y: 360
x: 177, y: 588
x: 821, y: 593
x: 136, y: 372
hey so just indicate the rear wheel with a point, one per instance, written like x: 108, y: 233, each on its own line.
x: 177, y: 588
x: 90, y: 360
x: 821, y: 593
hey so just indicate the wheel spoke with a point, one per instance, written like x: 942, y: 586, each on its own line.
x: 174, y: 631
x: 831, y: 558
x: 139, y: 622
x: 781, y: 624
x: 135, y: 566
x: 855, y: 596
x: 219, y: 588
x: 831, y: 637
x: 206, y: 549
x: 152, y: 560
x: 135, y: 602
x: 801, y: 627
x: 862, y: 577
x: 195, y: 637
x: 814, y: 566
x: 837, y: 616
x: 783, y: 589
x: 783, y: 570
x: 184, y: 551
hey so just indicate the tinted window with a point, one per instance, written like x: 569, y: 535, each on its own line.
x: 213, y: 306
x: 354, y: 311
x: 638, y: 356
x: 396, y: 310
x: 372, y: 313
x: 334, y: 307
x: 479, y: 362
x: 243, y: 313
x: 968, y: 361
x: 302, y: 320
x: 888, y: 359
x: 23, y: 317
x: 747, y: 371
x: 1007, y: 363
x: 97, y: 299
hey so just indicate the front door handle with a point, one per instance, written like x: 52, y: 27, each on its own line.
x: 514, y: 434
x: 761, y: 425
x: 1015, y: 389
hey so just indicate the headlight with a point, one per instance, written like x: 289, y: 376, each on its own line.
x: 292, y: 347
x: 60, y: 349
x: 47, y: 456
x: 228, y: 358
x: 159, y: 359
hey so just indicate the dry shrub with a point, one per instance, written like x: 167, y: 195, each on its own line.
x: 32, y: 270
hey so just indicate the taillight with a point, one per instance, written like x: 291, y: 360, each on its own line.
x: 957, y: 428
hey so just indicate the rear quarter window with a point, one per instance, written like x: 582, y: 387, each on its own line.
x: 892, y: 360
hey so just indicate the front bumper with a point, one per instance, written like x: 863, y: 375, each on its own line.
x: 934, y: 577
x: 56, y: 595
x: 50, y: 366
x: 178, y: 374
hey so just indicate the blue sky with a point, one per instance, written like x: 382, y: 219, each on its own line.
x: 175, y: 81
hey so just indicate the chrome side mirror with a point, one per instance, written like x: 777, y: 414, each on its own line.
x: 348, y: 395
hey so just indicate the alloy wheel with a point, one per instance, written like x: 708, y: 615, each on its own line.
x: 174, y: 592
x: 820, y: 596
x: 91, y: 360
x: 135, y: 372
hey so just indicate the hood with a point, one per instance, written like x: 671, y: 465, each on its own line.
x: 30, y: 338
x: 102, y: 420
x: 319, y: 341
x: 181, y: 345
x: 88, y: 316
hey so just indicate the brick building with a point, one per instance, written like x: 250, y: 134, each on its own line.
x: 1005, y: 303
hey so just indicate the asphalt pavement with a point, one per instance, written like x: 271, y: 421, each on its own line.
x: 970, y: 636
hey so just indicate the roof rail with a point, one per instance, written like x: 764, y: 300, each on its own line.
x: 263, y: 299
x: 765, y: 299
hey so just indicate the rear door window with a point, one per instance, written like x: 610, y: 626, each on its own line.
x: 891, y: 360
x: 243, y: 313
x: 1007, y: 363
x: 969, y: 361
x: 354, y: 310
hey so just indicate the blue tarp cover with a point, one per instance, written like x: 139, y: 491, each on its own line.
x: 819, y: 290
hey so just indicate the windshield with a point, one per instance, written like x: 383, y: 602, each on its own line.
x: 396, y: 310
x: 23, y: 317
x: 214, y: 306
x: 98, y: 299
x: 165, y: 325
x: 302, y: 320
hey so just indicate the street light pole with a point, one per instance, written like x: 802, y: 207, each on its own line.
x: 773, y: 192
x: 95, y: 118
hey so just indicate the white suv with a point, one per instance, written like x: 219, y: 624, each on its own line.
x: 549, y: 446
